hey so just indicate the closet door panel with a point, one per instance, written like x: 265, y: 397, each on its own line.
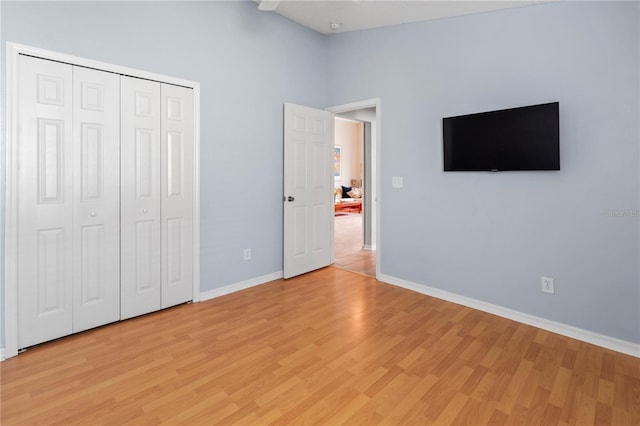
x: 140, y: 197
x: 177, y: 195
x: 45, y: 201
x: 96, y: 141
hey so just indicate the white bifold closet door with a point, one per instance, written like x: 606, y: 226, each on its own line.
x: 105, y: 198
x: 68, y: 202
x: 177, y: 194
x: 96, y: 194
x: 157, y: 196
x: 140, y: 196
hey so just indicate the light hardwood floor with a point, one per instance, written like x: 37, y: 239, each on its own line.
x: 349, y: 253
x: 328, y: 348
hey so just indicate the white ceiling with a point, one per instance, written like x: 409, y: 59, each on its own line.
x: 363, y: 14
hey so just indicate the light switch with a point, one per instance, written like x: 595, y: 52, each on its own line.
x: 396, y: 182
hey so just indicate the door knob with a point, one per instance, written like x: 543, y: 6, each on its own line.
x: 290, y: 198
x: 144, y: 211
x: 93, y: 214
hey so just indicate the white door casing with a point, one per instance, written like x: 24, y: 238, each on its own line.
x: 373, y: 192
x: 308, y: 189
x: 140, y: 197
x: 45, y: 203
x: 96, y: 196
x: 177, y: 194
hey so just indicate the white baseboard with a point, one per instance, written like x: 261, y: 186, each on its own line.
x: 369, y: 247
x: 232, y: 288
x: 608, y: 342
x: 2, y: 358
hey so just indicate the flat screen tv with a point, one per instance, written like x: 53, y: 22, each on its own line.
x: 524, y: 138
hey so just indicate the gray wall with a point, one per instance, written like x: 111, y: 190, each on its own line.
x: 248, y: 64
x: 491, y: 236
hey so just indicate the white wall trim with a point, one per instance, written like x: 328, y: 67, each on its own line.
x: 10, y: 207
x: 196, y: 194
x: 243, y: 285
x: 2, y: 358
x: 369, y: 103
x: 16, y: 48
x: 607, y: 342
x: 13, y: 50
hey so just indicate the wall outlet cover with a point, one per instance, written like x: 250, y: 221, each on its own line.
x: 547, y: 285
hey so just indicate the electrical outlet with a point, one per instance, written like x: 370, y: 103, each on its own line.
x: 247, y: 254
x: 547, y: 285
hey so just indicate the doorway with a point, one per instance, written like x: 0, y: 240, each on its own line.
x: 355, y: 221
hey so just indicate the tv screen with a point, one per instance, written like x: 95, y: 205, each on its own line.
x: 524, y: 138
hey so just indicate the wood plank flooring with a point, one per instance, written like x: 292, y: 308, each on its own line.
x: 349, y: 253
x: 328, y: 348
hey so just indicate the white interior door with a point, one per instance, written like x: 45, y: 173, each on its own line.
x: 45, y: 201
x: 308, y: 189
x: 177, y: 194
x: 140, y: 197
x: 96, y: 194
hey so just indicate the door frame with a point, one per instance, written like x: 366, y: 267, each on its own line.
x: 10, y: 211
x: 353, y: 106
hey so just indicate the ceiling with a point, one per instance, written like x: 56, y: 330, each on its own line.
x: 353, y: 15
